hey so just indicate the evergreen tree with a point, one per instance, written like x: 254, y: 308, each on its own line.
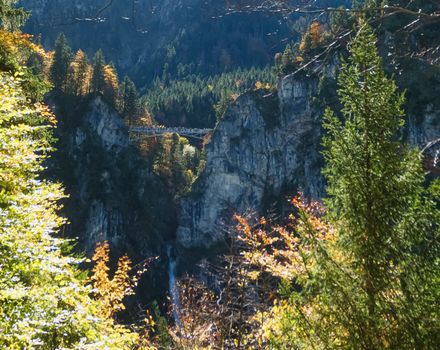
x: 369, y: 269
x: 130, y: 100
x: 98, y: 77
x: 61, y: 62
x: 376, y: 203
x: 111, y: 84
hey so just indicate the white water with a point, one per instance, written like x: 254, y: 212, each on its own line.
x: 172, y: 287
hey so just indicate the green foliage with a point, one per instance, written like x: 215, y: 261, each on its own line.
x: 370, y: 274
x: 198, y: 101
x: 162, y: 335
x: 287, y: 61
x: 177, y: 162
x: 61, y: 62
x: 98, y: 76
x: 130, y: 104
x: 44, y: 302
x: 11, y: 18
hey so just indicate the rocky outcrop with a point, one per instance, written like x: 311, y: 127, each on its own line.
x: 269, y: 143
x: 265, y: 144
x: 114, y: 196
x: 106, y: 123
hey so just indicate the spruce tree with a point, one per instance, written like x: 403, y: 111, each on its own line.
x: 375, y: 187
x: 369, y: 276
x: 130, y: 100
x: 61, y: 62
x: 98, y: 77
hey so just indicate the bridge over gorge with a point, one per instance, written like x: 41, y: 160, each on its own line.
x: 154, y: 131
x: 430, y: 153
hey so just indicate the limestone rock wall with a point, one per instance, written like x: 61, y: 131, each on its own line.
x: 267, y: 143
x: 264, y: 143
x: 113, y: 194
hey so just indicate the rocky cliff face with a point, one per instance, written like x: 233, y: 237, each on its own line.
x: 113, y: 194
x: 267, y: 144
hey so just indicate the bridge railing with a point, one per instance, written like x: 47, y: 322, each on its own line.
x: 158, y: 131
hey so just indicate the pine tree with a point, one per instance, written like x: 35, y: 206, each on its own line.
x: 98, y: 77
x: 61, y: 62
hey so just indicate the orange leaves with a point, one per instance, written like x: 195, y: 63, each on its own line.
x: 197, y: 315
x: 262, y: 86
x: 315, y: 32
x: 110, y: 292
x: 282, y: 251
x: 313, y: 37
x: 80, y: 75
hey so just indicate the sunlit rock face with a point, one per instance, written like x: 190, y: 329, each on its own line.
x: 108, y: 125
x: 265, y: 144
x: 269, y: 143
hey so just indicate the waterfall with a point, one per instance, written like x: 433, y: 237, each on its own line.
x: 173, y: 290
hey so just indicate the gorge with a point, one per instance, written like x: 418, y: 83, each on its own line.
x: 163, y: 188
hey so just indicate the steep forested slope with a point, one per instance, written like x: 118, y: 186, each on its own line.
x: 150, y: 38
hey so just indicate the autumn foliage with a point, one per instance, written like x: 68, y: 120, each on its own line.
x: 111, y: 292
x: 313, y: 37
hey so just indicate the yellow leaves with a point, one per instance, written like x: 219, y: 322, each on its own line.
x: 262, y: 86
x: 110, y: 292
x: 80, y: 75
x: 285, y: 251
x: 110, y: 77
x: 149, y: 320
x: 13, y: 42
x: 55, y: 309
x: 313, y: 37
x: 20, y: 137
x: 111, y: 85
x: 45, y: 112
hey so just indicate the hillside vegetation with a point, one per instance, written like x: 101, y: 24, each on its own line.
x: 357, y: 269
